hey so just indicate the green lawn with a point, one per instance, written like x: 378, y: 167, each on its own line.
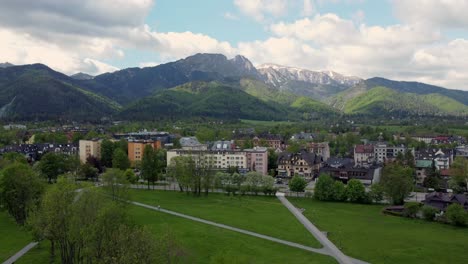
x: 264, y: 215
x: 12, y: 237
x: 206, y: 244
x: 363, y: 232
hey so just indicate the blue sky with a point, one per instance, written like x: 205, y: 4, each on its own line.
x: 417, y: 40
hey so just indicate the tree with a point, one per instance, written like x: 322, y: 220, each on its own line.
x: 12, y: 157
x: 20, y: 190
x: 130, y: 176
x: 433, y: 178
x: 182, y: 168
x: 324, y: 188
x: 85, y: 228
x: 253, y: 181
x: 397, y: 183
x: 88, y: 172
x: 355, y: 191
x: 456, y: 214
x: 272, y: 161
x: 95, y: 163
x: 52, y: 165
x: 148, y: 165
x: 339, y: 191
x: 460, y: 172
x: 120, y: 160
x: 116, y: 184
x: 107, y: 152
x: 297, y: 184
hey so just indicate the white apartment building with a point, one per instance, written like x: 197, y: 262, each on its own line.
x: 255, y: 159
x: 89, y: 148
x: 384, y: 152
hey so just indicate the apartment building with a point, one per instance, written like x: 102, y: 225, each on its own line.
x: 90, y: 148
x: 136, y: 148
x: 384, y: 152
x: 321, y: 148
x: 364, y: 155
x: 219, y: 158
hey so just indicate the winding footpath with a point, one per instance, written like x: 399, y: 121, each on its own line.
x: 20, y: 253
x: 327, y: 244
x: 235, y: 229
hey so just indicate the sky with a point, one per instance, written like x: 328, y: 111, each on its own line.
x: 414, y: 40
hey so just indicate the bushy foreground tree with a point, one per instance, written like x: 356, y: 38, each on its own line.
x: 20, y: 190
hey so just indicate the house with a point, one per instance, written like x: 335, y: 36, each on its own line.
x: 442, y: 200
x: 302, y: 163
x: 364, y: 155
x: 136, y: 149
x: 272, y: 141
x: 321, y: 148
x: 161, y: 136
x: 422, y: 167
x: 344, y: 169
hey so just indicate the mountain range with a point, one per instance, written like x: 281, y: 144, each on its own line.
x: 211, y: 85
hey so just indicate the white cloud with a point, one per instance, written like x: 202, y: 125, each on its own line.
x: 259, y: 9
x: 438, y: 13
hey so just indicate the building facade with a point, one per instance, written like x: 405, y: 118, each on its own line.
x: 364, y: 155
x: 136, y: 149
x: 219, y: 158
x: 89, y: 148
x: 385, y: 153
x: 302, y: 163
x: 321, y: 148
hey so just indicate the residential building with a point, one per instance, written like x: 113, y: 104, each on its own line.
x: 14, y: 126
x: 302, y: 163
x: 303, y: 136
x: 136, y: 149
x: 385, y: 153
x: 33, y: 152
x: 422, y: 168
x: 364, y: 155
x: 271, y: 141
x: 461, y: 151
x: 223, y: 156
x: 423, y: 138
x: 89, y: 148
x: 442, y: 200
x: 442, y: 158
x: 321, y: 148
x: 161, y: 136
x: 344, y: 169
x: 192, y: 143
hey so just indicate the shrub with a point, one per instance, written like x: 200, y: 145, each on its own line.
x: 456, y: 215
x: 324, y: 188
x: 429, y: 212
x: 355, y: 191
x: 376, y: 193
x: 411, y: 210
x: 339, y: 191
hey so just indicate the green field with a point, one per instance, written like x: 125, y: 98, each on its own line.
x: 363, y: 232
x: 206, y: 244
x: 264, y: 215
x: 12, y: 237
